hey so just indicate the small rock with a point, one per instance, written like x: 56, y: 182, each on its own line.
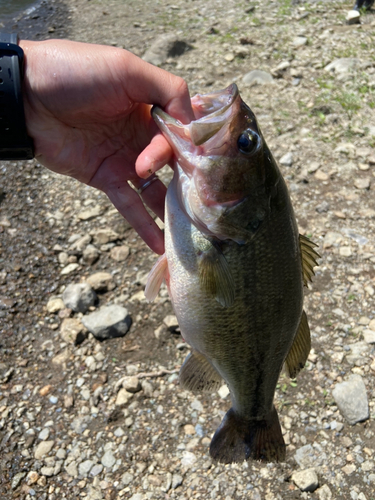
x: 223, y: 391
x: 345, y: 65
x: 306, y: 480
x: 44, y: 434
x: 80, y: 243
x: 189, y: 429
x: 287, y: 160
x: 90, y: 255
x: 123, y: 396
x: 131, y: 384
x: 101, y: 282
x: 119, y: 254
x: 353, y: 17
x: 61, y: 358
x: 127, y: 478
x: 79, y: 297
x: 324, y: 493
x: 32, y: 477
x: 72, y: 469
x: 54, y: 305
x: 85, y: 467
x: 45, y: 390
x: 299, y: 41
x: 104, y: 236
x: 176, y: 481
x: 90, y: 362
x: 119, y: 432
x: 91, y: 213
x: 369, y: 336
x: 362, y: 183
x: 165, y: 46
x: 188, y: 459
x: 257, y: 77
x: 69, y: 268
x: 108, y: 322
x: 349, y: 469
x: 171, y: 322
x: 47, y: 471
x: 17, y: 479
x: 108, y: 460
x: 351, y: 399
x: 147, y: 388
x: 72, y: 331
x: 96, y: 470
x: 43, y: 448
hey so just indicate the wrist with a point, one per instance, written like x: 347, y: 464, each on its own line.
x: 15, y: 144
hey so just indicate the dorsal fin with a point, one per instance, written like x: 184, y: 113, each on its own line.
x: 309, y: 258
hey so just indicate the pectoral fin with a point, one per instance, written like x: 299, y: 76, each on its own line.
x: 309, y: 257
x: 198, y: 374
x: 215, y: 276
x: 158, y: 273
x: 300, y: 349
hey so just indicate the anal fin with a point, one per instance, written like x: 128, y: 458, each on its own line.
x: 198, y: 374
x: 157, y: 274
x: 300, y: 349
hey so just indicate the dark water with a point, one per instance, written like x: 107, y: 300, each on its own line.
x: 10, y: 8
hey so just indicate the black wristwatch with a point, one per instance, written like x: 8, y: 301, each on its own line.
x: 15, y: 144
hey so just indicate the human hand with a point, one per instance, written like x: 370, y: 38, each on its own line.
x: 87, y: 109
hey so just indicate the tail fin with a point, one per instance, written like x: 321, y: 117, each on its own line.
x: 238, y: 439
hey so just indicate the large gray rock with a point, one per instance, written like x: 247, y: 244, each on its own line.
x: 79, y: 297
x: 351, y: 399
x: 108, y: 322
x: 346, y: 65
x: 165, y: 46
x: 257, y: 77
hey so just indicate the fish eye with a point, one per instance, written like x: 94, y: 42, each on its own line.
x: 247, y: 142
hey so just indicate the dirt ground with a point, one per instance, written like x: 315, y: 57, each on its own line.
x: 325, y: 122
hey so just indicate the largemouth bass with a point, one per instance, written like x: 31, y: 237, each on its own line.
x: 235, y: 266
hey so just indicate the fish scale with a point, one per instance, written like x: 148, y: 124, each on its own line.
x: 235, y: 267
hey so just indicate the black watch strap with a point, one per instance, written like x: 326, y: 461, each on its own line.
x: 15, y: 144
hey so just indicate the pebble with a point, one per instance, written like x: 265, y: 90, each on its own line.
x: 369, y: 336
x: 309, y: 456
x: 223, y: 391
x: 362, y: 183
x: 108, y: 322
x: 79, y: 297
x: 351, y: 399
x: 127, y: 478
x: 287, y: 160
x: 257, y: 77
x: 353, y: 17
x: 104, y: 236
x: 188, y: 459
x: 85, y: 467
x: 306, y: 480
x: 45, y: 390
x: 44, y: 434
x: 55, y: 304
x: 17, y: 479
x: 61, y: 358
x: 96, y: 470
x: 69, y: 269
x: 324, y: 493
x: 131, y: 384
x: 101, y: 282
x: 43, y: 449
x: 72, y: 331
x: 32, y: 477
x: 119, y: 254
x: 91, y: 213
x: 72, y: 469
x: 123, y: 396
x: 108, y: 460
x: 171, y: 322
x: 177, y: 480
x: 90, y: 255
x: 299, y: 41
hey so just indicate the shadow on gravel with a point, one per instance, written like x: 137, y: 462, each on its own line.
x: 46, y: 19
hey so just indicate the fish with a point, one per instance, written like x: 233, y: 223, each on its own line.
x: 235, y: 267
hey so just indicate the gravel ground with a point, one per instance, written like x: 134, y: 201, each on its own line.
x: 100, y: 415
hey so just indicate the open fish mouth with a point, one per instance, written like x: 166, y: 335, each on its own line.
x: 212, y: 111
